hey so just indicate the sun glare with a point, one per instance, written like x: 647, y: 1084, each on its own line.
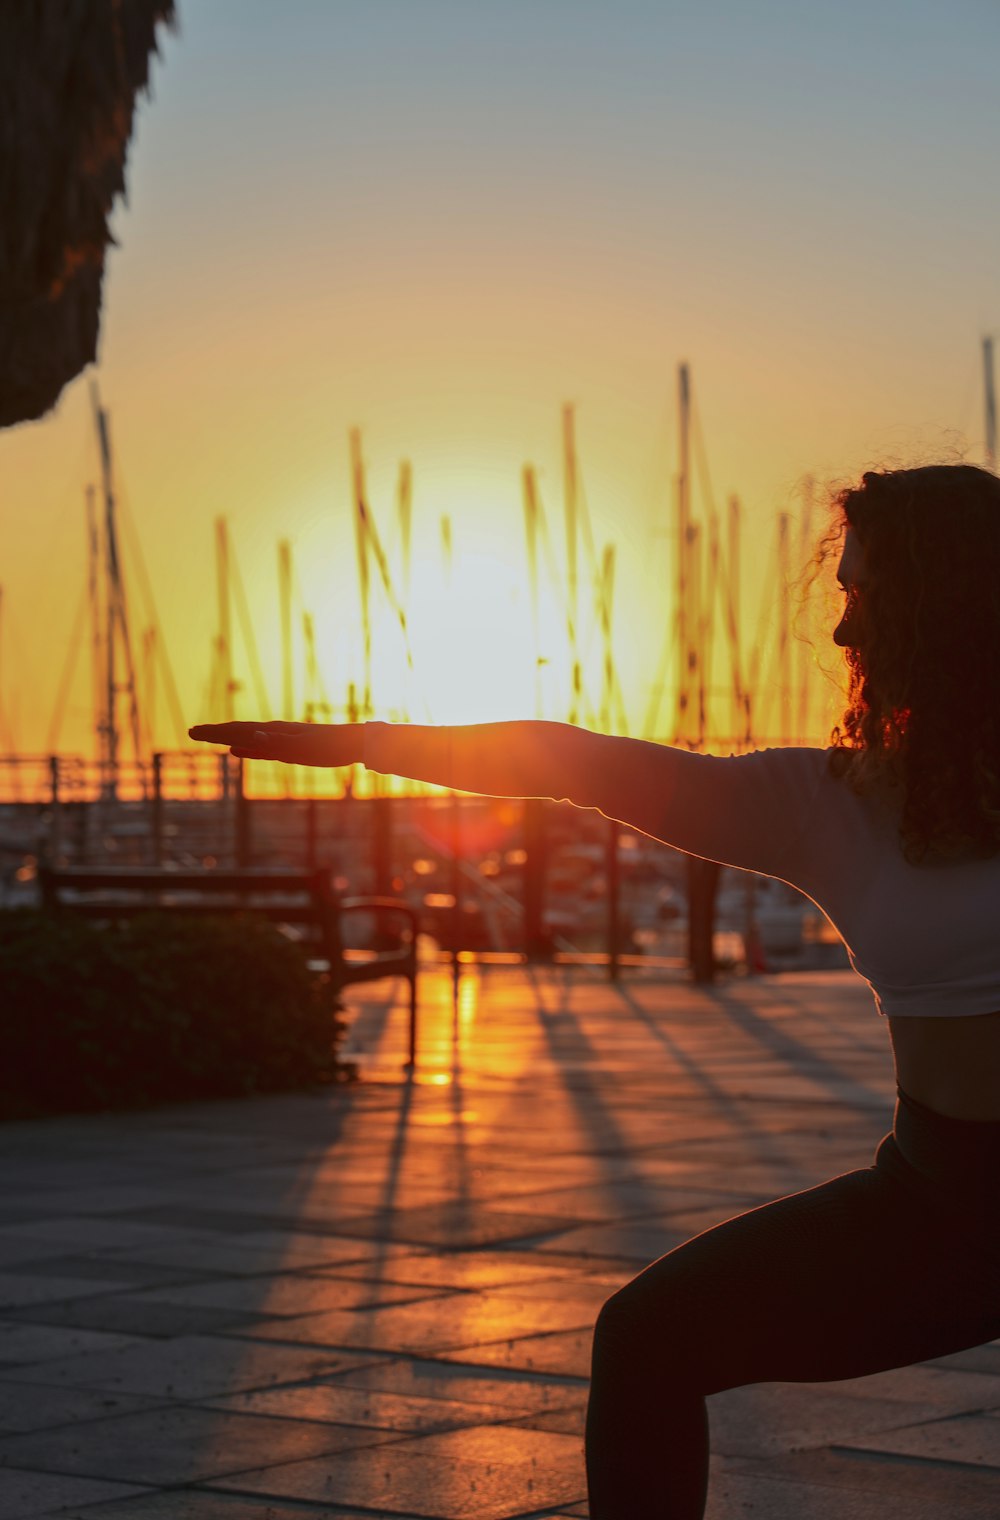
x: 473, y: 643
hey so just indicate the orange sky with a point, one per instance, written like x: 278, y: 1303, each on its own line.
x: 440, y: 223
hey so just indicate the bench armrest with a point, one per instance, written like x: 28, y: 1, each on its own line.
x: 380, y: 905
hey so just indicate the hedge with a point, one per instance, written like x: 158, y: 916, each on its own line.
x: 158, y: 1009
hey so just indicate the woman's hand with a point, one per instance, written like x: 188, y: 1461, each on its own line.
x: 327, y: 744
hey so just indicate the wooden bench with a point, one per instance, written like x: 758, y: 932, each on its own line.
x: 300, y: 898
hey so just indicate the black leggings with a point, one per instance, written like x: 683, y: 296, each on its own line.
x: 896, y: 1263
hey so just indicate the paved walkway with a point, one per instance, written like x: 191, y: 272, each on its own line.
x: 378, y: 1301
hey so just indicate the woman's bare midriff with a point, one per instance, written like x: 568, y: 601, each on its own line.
x: 951, y: 1065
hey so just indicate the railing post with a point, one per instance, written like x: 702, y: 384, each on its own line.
x: 535, y: 943
x: 243, y: 840
x: 311, y: 852
x: 613, y: 880
x: 382, y: 843
x: 702, y: 880
x: 157, y: 810
x: 456, y: 891
x: 751, y: 935
x: 55, y: 829
x: 84, y: 820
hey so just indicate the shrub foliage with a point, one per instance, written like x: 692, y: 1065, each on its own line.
x: 160, y: 1008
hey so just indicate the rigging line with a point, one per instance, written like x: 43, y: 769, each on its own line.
x: 146, y: 592
x: 249, y: 638
x: 13, y: 648
x: 599, y: 607
x: 4, y: 733
x: 386, y: 579
x: 765, y: 611
x: 723, y: 583
x: 119, y: 614
x: 656, y: 695
x: 375, y: 544
x: 561, y: 593
x: 314, y: 672
x: 68, y: 672
x: 596, y: 570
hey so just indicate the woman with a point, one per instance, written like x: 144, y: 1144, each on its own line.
x: 894, y: 831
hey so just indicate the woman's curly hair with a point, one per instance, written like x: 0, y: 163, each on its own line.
x: 923, y: 701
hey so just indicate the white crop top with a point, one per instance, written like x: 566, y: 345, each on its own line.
x: 926, y: 939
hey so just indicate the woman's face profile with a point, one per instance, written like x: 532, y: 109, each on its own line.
x: 851, y: 575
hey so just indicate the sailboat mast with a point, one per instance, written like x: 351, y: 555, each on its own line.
x: 805, y: 539
x: 285, y: 595
x: 4, y: 740
x: 404, y: 509
x: 224, y: 642
x: 109, y: 728
x: 784, y: 641
x: 683, y: 543
x: 991, y: 404
x: 733, y: 614
x: 361, y: 545
x: 572, y: 575
x: 530, y: 499
x: 96, y: 641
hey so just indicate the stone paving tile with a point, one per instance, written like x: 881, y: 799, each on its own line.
x: 431, y: 1325
x: 776, y: 1417
x: 195, y: 1504
x: 223, y: 1220
x: 20, y: 1290
x: 984, y: 1359
x: 638, y: 1243
x: 518, y: 1393
x: 622, y: 1201
x: 469, y: 1269
x: 27, y: 1406
x: 24, y: 1345
x: 935, y: 1489
x: 455, y: 1224
x: 116, y: 1199
x: 108, y: 1272
x: 288, y: 1293
x: 499, y: 1444
x: 926, y: 1386
x: 563, y: 1353
x: 178, y: 1445
x: 189, y: 1367
x: 79, y: 1231
x: 489, y: 1473
x: 252, y: 1255
x: 967, y: 1438
x: 16, y: 1253
x: 253, y: 1208
x: 367, y: 1407
x: 779, y: 1498
x: 125, y: 1315
x: 566, y: 1422
x: 25, y: 1494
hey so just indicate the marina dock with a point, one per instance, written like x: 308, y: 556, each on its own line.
x: 376, y: 1301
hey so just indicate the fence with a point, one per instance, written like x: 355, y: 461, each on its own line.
x: 491, y: 880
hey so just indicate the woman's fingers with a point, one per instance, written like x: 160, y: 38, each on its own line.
x: 237, y: 733
x: 293, y: 743
x: 258, y: 741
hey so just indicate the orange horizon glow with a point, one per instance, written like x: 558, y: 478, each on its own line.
x: 336, y: 224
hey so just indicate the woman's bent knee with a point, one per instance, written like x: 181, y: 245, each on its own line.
x: 645, y: 1321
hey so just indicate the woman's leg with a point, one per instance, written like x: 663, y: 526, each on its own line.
x: 851, y: 1277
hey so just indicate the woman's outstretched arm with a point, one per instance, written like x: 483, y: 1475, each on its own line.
x: 744, y: 810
